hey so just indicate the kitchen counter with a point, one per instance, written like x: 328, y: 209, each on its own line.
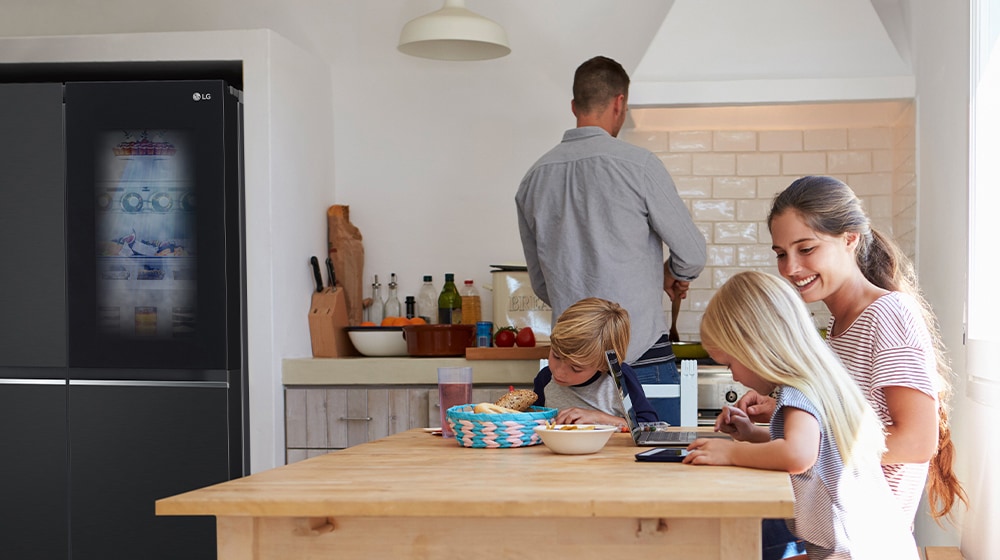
x: 402, y: 371
x: 414, y: 495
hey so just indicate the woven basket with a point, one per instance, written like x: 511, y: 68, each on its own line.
x: 497, y: 430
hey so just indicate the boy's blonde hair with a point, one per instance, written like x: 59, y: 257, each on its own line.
x: 587, y: 329
x: 762, y: 323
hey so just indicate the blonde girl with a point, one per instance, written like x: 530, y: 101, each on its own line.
x: 823, y: 431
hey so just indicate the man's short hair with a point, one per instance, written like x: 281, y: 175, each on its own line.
x: 598, y: 81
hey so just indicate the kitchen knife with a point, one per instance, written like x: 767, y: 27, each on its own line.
x: 329, y: 272
x: 319, y: 279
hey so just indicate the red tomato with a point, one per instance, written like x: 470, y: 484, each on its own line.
x: 525, y: 337
x: 505, y: 337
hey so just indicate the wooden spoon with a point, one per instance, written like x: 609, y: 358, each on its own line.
x: 675, y: 310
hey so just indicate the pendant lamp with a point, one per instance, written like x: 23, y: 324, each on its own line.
x: 453, y: 33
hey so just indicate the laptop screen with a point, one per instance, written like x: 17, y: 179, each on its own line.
x: 615, y: 370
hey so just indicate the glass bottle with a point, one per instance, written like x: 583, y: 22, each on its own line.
x: 472, y: 309
x: 378, y: 306
x: 449, y: 302
x: 427, y: 301
x: 392, y: 308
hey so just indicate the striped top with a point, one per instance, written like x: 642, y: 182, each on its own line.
x: 842, y: 513
x: 889, y: 346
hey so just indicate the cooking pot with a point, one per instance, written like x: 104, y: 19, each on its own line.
x: 689, y: 350
x: 439, y: 340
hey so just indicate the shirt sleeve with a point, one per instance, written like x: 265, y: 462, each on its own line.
x: 670, y: 219
x: 530, y: 248
x: 644, y: 411
x: 541, y: 380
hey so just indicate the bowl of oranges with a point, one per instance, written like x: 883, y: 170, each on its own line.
x: 380, y: 340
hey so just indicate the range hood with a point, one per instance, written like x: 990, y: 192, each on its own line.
x: 733, y: 52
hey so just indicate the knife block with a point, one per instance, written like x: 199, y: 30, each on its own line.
x: 327, y: 324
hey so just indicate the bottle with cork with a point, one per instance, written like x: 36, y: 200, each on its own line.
x: 472, y: 309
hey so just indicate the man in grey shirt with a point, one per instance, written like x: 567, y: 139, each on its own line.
x: 594, y: 213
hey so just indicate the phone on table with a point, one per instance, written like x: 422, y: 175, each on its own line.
x: 662, y: 455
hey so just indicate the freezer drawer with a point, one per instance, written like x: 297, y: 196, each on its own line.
x: 132, y: 444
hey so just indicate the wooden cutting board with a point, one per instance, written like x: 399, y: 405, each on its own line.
x: 514, y: 353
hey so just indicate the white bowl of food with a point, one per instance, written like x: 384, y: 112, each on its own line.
x: 575, y: 439
x: 378, y: 341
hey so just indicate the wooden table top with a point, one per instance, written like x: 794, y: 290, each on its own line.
x: 414, y: 473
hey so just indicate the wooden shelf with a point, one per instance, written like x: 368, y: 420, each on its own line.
x: 513, y: 353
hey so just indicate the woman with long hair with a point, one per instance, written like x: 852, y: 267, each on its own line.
x: 881, y: 327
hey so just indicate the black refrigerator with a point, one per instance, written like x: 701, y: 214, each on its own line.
x: 122, y: 314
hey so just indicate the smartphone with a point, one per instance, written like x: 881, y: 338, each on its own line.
x: 662, y: 455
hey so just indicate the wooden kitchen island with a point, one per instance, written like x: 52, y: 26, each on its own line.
x: 414, y: 495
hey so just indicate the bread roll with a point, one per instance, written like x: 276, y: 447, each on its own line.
x: 490, y: 408
x: 520, y: 400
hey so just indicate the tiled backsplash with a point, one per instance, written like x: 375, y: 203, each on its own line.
x: 728, y: 177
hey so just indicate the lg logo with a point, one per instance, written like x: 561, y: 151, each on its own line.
x: 201, y: 96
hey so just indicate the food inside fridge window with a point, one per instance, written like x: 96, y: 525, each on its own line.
x: 183, y: 319
x: 104, y: 201
x: 145, y: 321
x: 132, y: 202
x: 149, y: 272
x: 161, y: 202
x: 115, y: 273
x: 145, y: 248
x: 144, y: 147
x: 188, y: 202
x: 109, y: 249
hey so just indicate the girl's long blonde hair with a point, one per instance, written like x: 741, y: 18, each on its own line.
x: 759, y: 321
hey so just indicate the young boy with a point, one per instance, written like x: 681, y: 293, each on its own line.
x: 576, y: 380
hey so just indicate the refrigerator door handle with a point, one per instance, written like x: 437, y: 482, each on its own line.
x: 12, y: 381
x: 142, y: 383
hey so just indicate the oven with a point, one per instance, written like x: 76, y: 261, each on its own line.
x: 716, y: 389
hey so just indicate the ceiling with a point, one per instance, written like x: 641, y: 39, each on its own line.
x: 776, y: 51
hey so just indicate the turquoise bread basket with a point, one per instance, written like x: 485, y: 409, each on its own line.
x: 497, y: 430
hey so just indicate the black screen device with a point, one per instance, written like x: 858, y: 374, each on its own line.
x: 662, y: 455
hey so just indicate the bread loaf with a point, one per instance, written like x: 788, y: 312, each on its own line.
x: 519, y: 400
x: 490, y: 408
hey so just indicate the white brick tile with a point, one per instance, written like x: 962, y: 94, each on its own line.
x: 703, y: 281
x: 755, y: 255
x: 676, y: 164
x: 714, y: 164
x: 721, y: 255
x: 734, y: 187
x: 849, y: 162
x: 735, y: 233
x: 758, y: 164
x: 721, y: 275
x: 653, y: 140
x: 763, y: 234
x: 706, y: 229
x: 694, y: 187
x: 698, y: 299
x: 691, y: 141
x: 767, y: 187
x: 713, y: 211
x: 869, y: 184
x: 734, y: 141
x: 780, y: 141
x: 806, y: 163
x: 879, y: 206
x: 752, y: 210
x: 869, y: 138
x: 882, y: 160
x: 826, y: 139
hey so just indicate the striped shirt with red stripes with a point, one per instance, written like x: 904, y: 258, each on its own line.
x: 888, y: 345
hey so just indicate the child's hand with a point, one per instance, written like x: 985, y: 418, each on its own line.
x: 576, y: 415
x: 735, y: 422
x: 710, y: 451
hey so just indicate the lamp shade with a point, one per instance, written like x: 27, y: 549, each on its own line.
x: 453, y: 33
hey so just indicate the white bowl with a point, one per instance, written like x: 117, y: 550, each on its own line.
x: 378, y: 341
x: 575, y: 439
